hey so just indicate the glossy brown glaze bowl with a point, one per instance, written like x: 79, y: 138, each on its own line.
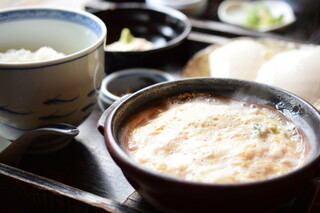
x: 166, y: 28
x: 176, y: 195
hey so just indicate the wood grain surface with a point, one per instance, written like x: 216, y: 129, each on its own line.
x: 82, y: 177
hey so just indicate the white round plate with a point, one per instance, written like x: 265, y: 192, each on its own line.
x: 235, y: 12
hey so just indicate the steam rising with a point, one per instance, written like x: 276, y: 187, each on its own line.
x: 295, y: 70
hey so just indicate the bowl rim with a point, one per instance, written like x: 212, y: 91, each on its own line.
x: 70, y: 57
x: 129, y: 72
x: 159, y: 9
x: 124, y: 160
x: 175, y: 3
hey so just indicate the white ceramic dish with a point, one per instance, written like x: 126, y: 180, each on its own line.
x: 128, y: 81
x: 189, y: 7
x: 235, y: 11
x: 35, y: 94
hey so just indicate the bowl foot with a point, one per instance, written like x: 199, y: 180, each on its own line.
x: 49, y: 144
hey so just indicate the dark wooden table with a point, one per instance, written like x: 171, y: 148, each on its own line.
x: 82, y: 177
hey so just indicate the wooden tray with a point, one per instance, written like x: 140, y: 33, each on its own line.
x: 82, y: 177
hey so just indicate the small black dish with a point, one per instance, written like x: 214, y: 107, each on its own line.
x: 167, y: 28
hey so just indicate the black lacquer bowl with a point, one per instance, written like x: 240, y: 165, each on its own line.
x: 167, y: 28
x: 177, y: 195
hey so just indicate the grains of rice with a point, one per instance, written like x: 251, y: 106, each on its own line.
x: 23, y: 55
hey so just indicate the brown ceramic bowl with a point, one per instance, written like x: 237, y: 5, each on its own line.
x: 176, y: 195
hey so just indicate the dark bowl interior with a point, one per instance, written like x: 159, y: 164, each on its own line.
x: 167, y: 29
x: 169, y: 193
x: 135, y: 81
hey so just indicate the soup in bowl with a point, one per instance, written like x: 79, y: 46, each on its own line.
x: 200, y: 144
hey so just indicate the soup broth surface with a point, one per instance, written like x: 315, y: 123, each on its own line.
x: 215, y: 140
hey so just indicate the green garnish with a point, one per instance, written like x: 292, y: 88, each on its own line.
x: 259, y: 15
x: 126, y: 36
x: 260, y: 130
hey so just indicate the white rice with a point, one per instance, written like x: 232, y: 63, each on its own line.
x: 23, y: 55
